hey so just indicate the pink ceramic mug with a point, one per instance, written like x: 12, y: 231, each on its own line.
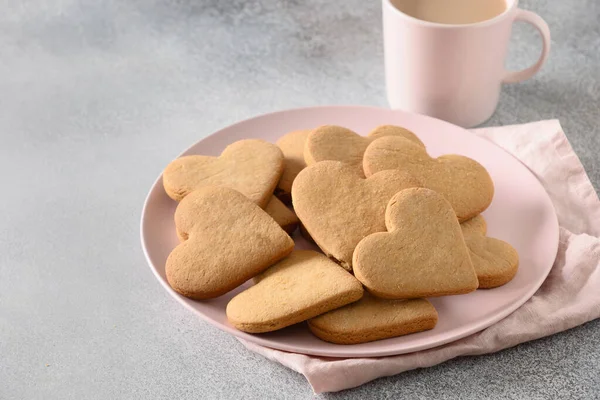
x: 452, y: 72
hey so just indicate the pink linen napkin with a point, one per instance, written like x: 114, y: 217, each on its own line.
x: 570, y: 296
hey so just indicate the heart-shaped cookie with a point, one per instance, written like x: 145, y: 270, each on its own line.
x: 372, y: 318
x: 423, y: 254
x: 495, y: 261
x: 339, y: 208
x: 475, y: 224
x: 285, y: 217
x: 292, y: 146
x: 336, y: 143
x: 301, y: 286
x: 462, y: 181
x: 252, y: 167
x: 227, y: 240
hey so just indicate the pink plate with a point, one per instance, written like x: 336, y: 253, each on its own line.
x: 521, y: 214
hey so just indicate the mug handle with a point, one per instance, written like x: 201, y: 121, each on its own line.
x: 542, y: 27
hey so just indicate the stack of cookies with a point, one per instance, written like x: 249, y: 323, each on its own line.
x: 393, y: 224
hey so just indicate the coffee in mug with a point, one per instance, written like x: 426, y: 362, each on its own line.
x: 451, y: 11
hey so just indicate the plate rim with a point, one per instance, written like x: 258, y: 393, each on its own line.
x: 479, y: 326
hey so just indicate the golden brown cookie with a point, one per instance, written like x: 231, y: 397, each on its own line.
x: 393, y: 130
x: 252, y: 167
x: 299, y: 287
x: 477, y: 224
x: 462, y: 181
x: 372, y: 318
x: 495, y: 261
x: 339, y: 208
x: 227, y: 240
x: 292, y: 146
x: 423, y: 254
x: 336, y: 143
x: 282, y: 215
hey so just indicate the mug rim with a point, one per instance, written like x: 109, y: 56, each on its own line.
x: 483, y: 23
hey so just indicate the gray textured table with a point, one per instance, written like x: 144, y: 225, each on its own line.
x: 96, y: 97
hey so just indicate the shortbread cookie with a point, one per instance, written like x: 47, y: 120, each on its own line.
x: 282, y: 215
x: 292, y: 146
x: 495, y: 261
x: 393, y: 130
x: 331, y: 142
x: 299, y: 287
x: 228, y: 240
x: 372, y: 318
x: 339, y: 208
x: 252, y: 167
x: 462, y: 181
x: 475, y: 224
x: 423, y: 254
